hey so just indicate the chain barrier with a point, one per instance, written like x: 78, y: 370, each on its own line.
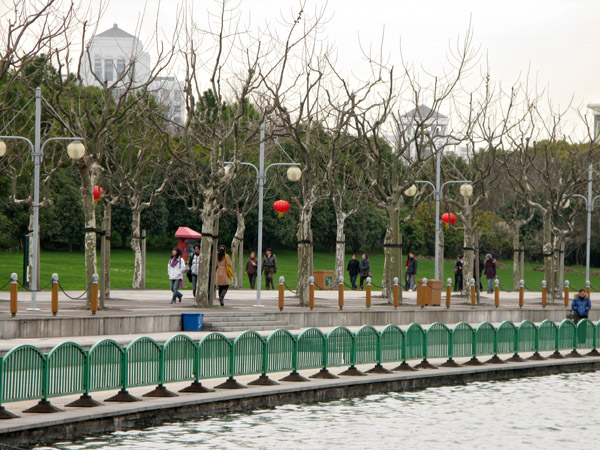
x: 290, y: 289
x: 5, y: 284
x: 74, y: 298
x: 34, y: 290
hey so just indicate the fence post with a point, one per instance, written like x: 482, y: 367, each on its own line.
x: 473, y: 292
x: 341, y: 293
x: 544, y: 294
x: 311, y: 292
x: 368, y: 292
x: 448, y: 292
x: 521, y: 293
x: 588, y: 287
x: 396, y: 293
x: 567, y: 293
x: 54, y: 294
x: 421, y: 293
x: 497, y: 292
x: 281, y: 292
x: 13, y: 294
x: 94, y: 293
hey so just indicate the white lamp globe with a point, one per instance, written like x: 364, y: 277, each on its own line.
x: 411, y: 191
x: 76, y: 150
x: 2, y: 148
x: 466, y: 190
x: 227, y: 169
x: 294, y: 173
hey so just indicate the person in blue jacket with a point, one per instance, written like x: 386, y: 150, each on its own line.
x: 581, y: 306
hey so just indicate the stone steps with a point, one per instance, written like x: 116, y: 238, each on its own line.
x: 225, y: 322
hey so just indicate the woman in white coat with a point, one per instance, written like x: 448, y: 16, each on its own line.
x: 176, y: 268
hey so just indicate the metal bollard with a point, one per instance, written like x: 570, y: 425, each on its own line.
x: 567, y: 292
x: 396, y: 290
x: 521, y: 293
x: 341, y: 293
x: 368, y: 292
x: 473, y: 293
x: 281, y: 292
x: 54, y: 294
x: 311, y: 292
x: 544, y: 294
x: 588, y: 287
x: 94, y: 293
x: 497, y: 293
x: 448, y: 292
x: 13, y: 294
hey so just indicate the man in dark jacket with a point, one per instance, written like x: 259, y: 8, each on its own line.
x: 581, y: 306
x: 269, y: 268
x: 411, y: 272
x: 458, y: 273
x: 353, y: 270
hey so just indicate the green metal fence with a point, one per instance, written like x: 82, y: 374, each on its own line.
x: 26, y: 373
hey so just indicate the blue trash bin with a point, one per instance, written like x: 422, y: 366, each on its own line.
x: 192, y: 321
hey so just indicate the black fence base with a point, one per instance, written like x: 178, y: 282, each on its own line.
x: 160, y: 391
x: 325, y: 374
x: 4, y: 414
x: 556, y: 355
x: 494, y: 360
x: 515, y: 358
x: 294, y: 377
x: 594, y: 352
x: 263, y: 380
x: 230, y: 384
x: 450, y: 363
x: 43, y: 406
x: 196, y: 388
x: 353, y: 372
x: 123, y: 397
x: 85, y: 401
x: 378, y: 369
x: 574, y: 354
x: 536, y: 357
x: 404, y: 367
x: 473, y: 362
x: 425, y: 365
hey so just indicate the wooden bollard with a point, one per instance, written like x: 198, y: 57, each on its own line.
x: 311, y: 292
x: 281, y: 292
x: 13, y: 294
x: 94, y: 293
x: 421, y: 293
x: 396, y: 293
x: 588, y: 287
x: 521, y: 293
x: 497, y: 293
x: 368, y: 292
x: 341, y: 293
x: 54, y: 294
x: 544, y: 294
x: 567, y: 293
x: 473, y: 293
x: 448, y: 292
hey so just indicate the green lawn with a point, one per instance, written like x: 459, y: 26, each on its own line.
x: 70, y: 268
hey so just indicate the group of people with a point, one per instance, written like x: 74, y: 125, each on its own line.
x: 487, y: 267
x: 356, y: 268
x: 177, y: 267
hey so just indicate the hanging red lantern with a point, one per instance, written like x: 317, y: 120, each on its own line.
x: 281, y: 206
x: 448, y: 219
x: 98, y: 192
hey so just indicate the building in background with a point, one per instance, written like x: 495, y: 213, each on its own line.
x: 117, y: 58
x: 595, y: 107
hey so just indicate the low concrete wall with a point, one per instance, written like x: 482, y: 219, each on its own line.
x: 126, y: 416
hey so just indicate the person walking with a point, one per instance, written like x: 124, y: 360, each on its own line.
x: 411, y: 272
x: 490, y: 272
x: 194, y: 263
x: 176, y: 268
x: 353, y: 270
x: 223, y: 273
x: 365, y: 269
x: 581, y: 306
x: 458, y: 274
x: 269, y: 268
x: 252, y: 269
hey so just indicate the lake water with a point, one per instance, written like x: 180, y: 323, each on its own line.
x: 559, y: 411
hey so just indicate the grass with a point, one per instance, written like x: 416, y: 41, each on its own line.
x: 71, y: 271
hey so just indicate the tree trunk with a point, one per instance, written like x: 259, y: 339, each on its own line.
x: 105, y: 255
x: 305, y: 268
x: 516, y: 258
x: 89, y: 212
x: 209, y: 229
x: 392, y: 252
x: 136, y: 230
x: 236, y: 243
x: 467, y: 243
x: 547, y: 253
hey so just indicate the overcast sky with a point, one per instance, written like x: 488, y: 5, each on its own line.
x: 556, y: 41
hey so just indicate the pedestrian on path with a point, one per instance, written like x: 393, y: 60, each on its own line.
x: 194, y: 263
x: 176, y: 268
x: 581, y: 306
x: 252, y: 269
x: 223, y: 273
x: 269, y: 268
x: 490, y: 272
x: 458, y: 273
x: 365, y: 269
x: 353, y: 270
x: 411, y: 273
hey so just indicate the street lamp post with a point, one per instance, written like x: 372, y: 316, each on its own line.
x: 75, y: 150
x: 466, y: 190
x: 589, y: 207
x: 294, y: 173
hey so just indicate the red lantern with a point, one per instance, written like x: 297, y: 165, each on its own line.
x: 98, y: 192
x: 281, y: 206
x: 448, y: 219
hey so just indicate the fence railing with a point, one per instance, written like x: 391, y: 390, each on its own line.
x: 26, y: 373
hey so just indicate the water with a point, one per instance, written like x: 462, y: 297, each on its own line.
x: 559, y: 411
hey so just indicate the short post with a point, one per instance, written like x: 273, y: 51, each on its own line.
x: 567, y: 292
x: 588, y: 287
x: 341, y: 293
x: 54, y: 294
x: 396, y: 293
x: 368, y: 292
x: 497, y: 292
x: 281, y: 292
x: 94, y: 293
x: 544, y: 294
x: 421, y: 293
x: 13, y: 294
x: 448, y: 292
x: 473, y: 292
x: 521, y: 293
x: 311, y: 292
